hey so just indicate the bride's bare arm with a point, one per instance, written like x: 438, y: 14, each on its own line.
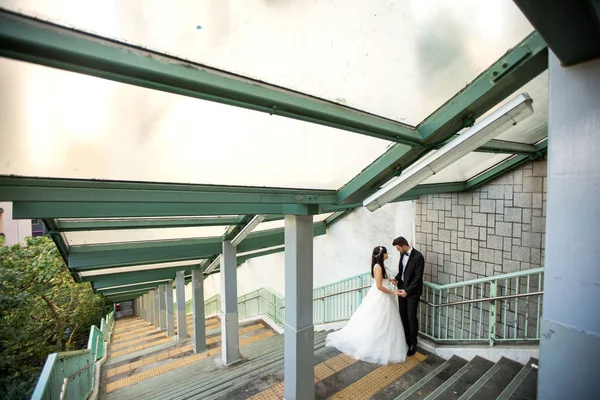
x: 379, y: 280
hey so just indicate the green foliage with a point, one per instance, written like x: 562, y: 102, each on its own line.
x: 42, y: 311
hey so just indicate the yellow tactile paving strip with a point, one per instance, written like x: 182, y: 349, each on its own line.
x: 322, y: 371
x: 150, y: 360
x: 118, y: 334
x: 182, y: 362
x: 124, y: 344
x: 140, y: 347
x: 133, y: 334
x: 369, y: 385
x: 172, y: 353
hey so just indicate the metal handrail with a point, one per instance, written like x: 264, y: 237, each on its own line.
x: 455, y: 303
x: 422, y: 301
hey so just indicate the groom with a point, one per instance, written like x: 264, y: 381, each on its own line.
x: 410, y: 282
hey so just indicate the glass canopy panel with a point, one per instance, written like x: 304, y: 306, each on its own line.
x: 535, y: 127
x: 142, y: 235
x: 400, y: 60
x: 263, y: 226
x: 146, y: 267
x: 99, y: 129
x: 467, y: 167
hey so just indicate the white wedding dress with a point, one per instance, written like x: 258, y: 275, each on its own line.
x: 374, y: 333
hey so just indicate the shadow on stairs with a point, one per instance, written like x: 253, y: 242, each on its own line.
x: 173, y: 371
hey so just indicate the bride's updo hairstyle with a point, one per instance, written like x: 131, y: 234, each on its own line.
x: 378, y: 258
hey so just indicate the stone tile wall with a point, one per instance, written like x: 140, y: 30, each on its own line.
x: 495, y: 229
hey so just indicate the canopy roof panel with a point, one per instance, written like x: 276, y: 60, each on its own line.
x: 98, y: 129
x: 398, y: 60
x: 140, y: 235
x: 165, y: 154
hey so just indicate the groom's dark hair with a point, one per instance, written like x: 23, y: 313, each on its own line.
x: 400, y: 241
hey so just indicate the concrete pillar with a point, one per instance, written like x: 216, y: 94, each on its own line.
x: 162, y: 323
x: 180, y: 293
x: 298, y: 327
x: 229, y: 313
x: 198, y: 309
x: 151, y: 307
x: 570, y: 329
x: 142, y: 311
x: 156, y: 294
x: 170, y: 312
x: 146, y: 307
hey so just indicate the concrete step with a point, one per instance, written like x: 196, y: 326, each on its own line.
x: 490, y: 385
x: 429, y: 383
x: 524, y: 385
x: 462, y: 380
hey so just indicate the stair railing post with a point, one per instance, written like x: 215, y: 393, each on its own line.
x: 492, y: 321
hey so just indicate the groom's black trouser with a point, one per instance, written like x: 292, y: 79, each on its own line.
x: 408, y: 313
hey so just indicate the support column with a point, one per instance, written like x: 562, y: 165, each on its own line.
x: 298, y: 328
x: 198, y: 309
x: 170, y: 312
x: 570, y: 328
x: 142, y: 311
x: 156, y: 293
x: 229, y: 312
x: 151, y: 307
x: 180, y: 293
x: 147, y: 307
x: 162, y: 307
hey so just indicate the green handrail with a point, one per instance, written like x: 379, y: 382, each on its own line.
x: 488, y: 310
x: 70, y: 374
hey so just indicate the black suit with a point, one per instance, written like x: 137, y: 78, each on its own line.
x: 413, y: 285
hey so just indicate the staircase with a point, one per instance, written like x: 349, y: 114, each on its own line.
x: 144, y: 364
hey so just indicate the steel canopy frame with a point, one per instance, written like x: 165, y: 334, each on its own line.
x: 27, y: 39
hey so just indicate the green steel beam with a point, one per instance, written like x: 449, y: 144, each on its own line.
x: 150, y: 223
x: 421, y: 190
x: 125, y: 297
x: 129, y: 288
x: 63, y: 190
x: 502, y: 146
x: 243, y: 258
x: 505, y: 166
x: 517, y: 67
x: 130, y: 278
x: 45, y: 209
x: 126, y: 291
x: 61, y: 244
x: 24, y: 38
x: 90, y: 257
x: 233, y: 230
x: 337, y: 216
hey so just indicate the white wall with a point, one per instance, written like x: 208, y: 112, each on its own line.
x: 14, y: 230
x: 343, y: 252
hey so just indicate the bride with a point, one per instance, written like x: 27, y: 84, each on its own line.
x: 374, y: 332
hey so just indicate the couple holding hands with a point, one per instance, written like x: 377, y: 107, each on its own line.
x: 384, y: 330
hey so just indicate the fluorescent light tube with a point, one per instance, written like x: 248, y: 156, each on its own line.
x: 485, y: 130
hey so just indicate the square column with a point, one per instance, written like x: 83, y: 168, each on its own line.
x: 146, y: 307
x: 199, y: 337
x: 156, y: 294
x: 151, y: 307
x: 142, y: 311
x: 180, y: 293
x: 570, y: 326
x: 298, y: 328
x: 162, y: 322
x: 229, y: 312
x: 170, y: 311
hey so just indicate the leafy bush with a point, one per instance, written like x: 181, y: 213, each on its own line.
x: 42, y: 311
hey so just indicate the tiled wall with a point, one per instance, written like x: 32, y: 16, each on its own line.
x: 495, y: 229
